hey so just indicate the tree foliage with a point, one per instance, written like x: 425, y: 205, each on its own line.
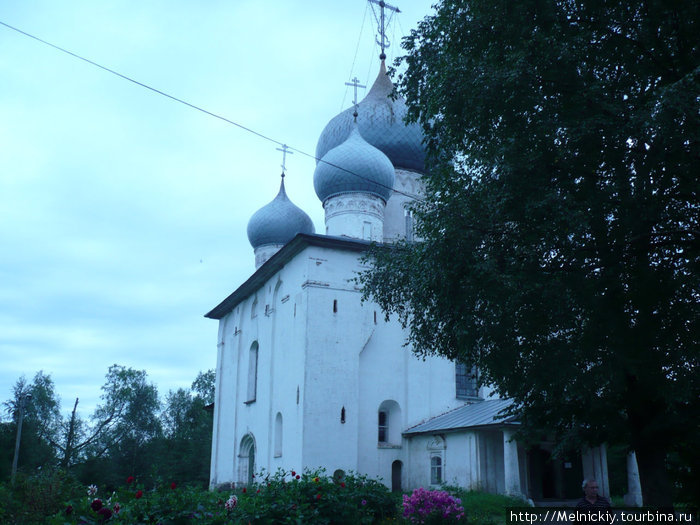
x: 127, y: 435
x: 560, y: 224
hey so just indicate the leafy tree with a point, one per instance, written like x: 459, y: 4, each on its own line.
x: 188, y: 428
x: 41, y: 421
x: 561, y: 218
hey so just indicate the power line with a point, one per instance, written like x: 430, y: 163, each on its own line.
x: 198, y: 108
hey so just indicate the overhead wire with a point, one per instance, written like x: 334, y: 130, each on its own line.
x: 354, y: 58
x: 202, y: 110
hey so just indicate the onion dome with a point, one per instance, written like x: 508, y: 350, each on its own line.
x: 382, y: 124
x: 278, y: 222
x: 354, y: 166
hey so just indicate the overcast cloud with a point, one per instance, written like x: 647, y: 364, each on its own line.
x: 122, y: 213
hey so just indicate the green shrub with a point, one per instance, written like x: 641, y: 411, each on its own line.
x: 282, y: 497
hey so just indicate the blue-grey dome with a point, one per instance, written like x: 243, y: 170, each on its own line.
x: 381, y: 122
x: 278, y: 222
x: 354, y: 166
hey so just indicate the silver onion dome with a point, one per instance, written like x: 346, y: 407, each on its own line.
x: 278, y: 222
x: 354, y: 166
x: 381, y: 123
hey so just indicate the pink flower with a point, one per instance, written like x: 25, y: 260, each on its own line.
x: 364, y: 502
x: 96, y: 504
x: 104, y: 513
x: 138, y: 494
x: 92, y: 490
x: 231, y: 502
x: 69, y: 510
x: 117, y: 507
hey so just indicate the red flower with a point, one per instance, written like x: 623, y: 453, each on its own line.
x: 257, y: 491
x: 318, y: 496
x: 117, y: 508
x: 69, y: 510
x: 316, y: 480
x: 104, y: 513
x: 173, y: 485
x: 342, y: 485
x: 293, y: 473
x: 138, y: 494
x: 298, y: 476
x: 129, y: 480
x: 245, y: 490
x: 96, y: 504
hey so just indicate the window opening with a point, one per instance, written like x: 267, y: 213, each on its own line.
x: 342, y: 415
x: 252, y: 372
x: 383, y: 427
x: 435, y: 470
x: 335, y: 306
x: 466, y: 381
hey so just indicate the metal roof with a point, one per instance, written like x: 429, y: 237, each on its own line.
x: 479, y: 414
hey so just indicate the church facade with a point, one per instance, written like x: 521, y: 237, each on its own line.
x: 310, y: 376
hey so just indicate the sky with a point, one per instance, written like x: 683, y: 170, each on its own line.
x: 123, y: 213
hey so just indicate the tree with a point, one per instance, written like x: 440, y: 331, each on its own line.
x: 561, y: 218
x: 188, y: 430
x: 41, y: 420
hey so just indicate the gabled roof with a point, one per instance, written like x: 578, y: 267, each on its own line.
x: 277, y: 262
x: 479, y: 414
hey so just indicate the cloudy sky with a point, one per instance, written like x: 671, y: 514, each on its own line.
x: 122, y: 213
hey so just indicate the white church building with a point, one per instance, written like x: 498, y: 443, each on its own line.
x: 310, y: 376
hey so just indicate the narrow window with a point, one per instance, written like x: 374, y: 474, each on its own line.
x: 335, y: 306
x: 252, y: 372
x: 375, y: 317
x: 342, y: 415
x: 435, y: 470
x: 409, y: 225
x: 367, y: 231
x: 297, y: 395
x: 383, y: 428
x: 278, y: 435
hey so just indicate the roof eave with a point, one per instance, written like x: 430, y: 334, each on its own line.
x: 277, y: 262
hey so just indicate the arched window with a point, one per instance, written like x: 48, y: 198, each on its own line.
x: 254, y: 309
x: 342, y: 415
x: 278, y: 435
x: 436, y: 450
x: 252, y: 372
x: 389, y: 423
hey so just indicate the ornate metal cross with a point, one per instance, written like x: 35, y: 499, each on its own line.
x: 284, y: 149
x: 382, y: 40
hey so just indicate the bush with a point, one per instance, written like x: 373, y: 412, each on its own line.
x: 432, y: 506
x: 282, y: 497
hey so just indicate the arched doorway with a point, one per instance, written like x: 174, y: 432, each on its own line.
x: 246, y: 460
x: 396, y: 476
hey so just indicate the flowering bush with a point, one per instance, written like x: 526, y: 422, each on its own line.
x: 432, y: 506
x: 283, y: 497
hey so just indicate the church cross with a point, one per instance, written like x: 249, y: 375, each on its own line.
x: 383, y: 41
x: 284, y: 149
x: 356, y: 84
